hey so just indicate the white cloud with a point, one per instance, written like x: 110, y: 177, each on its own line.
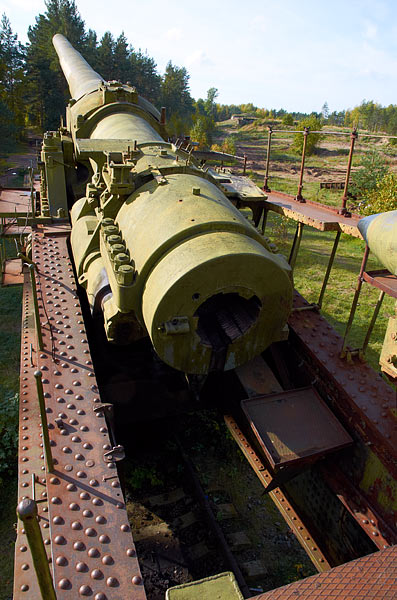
x: 199, y: 58
x: 370, y: 30
x: 174, y: 34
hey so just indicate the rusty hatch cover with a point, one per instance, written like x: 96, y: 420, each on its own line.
x: 294, y: 426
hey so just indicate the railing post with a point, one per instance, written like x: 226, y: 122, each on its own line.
x: 353, y: 137
x: 245, y: 164
x: 27, y: 513
x: 299, y: 196
x: 36, y: 306
x: 269, y: 142
x: 44, y: 424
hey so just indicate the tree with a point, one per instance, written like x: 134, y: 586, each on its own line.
x: 175, y: 96
x: 313, y: 124
x: 365, y: 180
x: 46, y: 85
x: 106, y: 56
x: 209, y: 104
x: 383, y: 197
x: 287, y: 119
x: 325, y: 111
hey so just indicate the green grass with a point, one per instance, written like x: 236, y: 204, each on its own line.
x: 309, y: 272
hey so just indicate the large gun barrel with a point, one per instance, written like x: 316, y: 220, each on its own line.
x: 81, y: 78
x: 158, y: 246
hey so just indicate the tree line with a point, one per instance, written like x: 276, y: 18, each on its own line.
x: 33, y: 90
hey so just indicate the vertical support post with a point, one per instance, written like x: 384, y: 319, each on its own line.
x: 372, y: 324
x: 162, y: 115
x: 265, y: 213
x: 245, y: 164
x: 299, y: 196
x: 44, y: 424
x: 353, y: 137
x: 355, y: 302
x: 269, y: 142
x: 36, y: 306
x: 295, y: 245
x: 27, y: 513
x: 328, y: 271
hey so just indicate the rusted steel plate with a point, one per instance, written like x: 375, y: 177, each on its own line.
x: 284, y: 506
x: 92, y: 548
x: 373, y: 524
x: 317, y: 215
x: 14, y: 202
x: 30, y: 454
x: 365, y: 401
x: 10, y: 229
x: 12, y: 272
x: 383, y: 280
x: 294, y: 426
x: 372, y: 577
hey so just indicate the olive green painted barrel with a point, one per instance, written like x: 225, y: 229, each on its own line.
x: 380, y: 233
x: 81, y: 78
x: 201, y: 267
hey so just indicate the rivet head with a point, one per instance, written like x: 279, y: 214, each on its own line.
x: 64, y: 584
x: 100, y: 519
x: 79, y: 545
x: 71, y: 487
x: 112, y: 581
x: 87, y: 513
x: 97, y: 501
x: 100, y: 596
x: 104, y: 539
x: 24, y: 587
x: 93, y: 552
x: 136, y: 580
x: 81, y: 567
x: 85, y: 590
x: 59, y: 539
x: 58, y: 520
x: 84, y: 495
x: 124, y: 527
x: 25, y: 567
x: 76, y: 525
x: 23, y: 548
x: 107, y: 559
x: 55, y: 500
x: 81, y: 474
x: 74, y: 506
x: 96, y: 574
x: 61, y: 561
x: 54, y: 480
x: 90, y: 531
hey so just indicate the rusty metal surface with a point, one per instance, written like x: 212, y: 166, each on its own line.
x: 291, y: 517
x: 93, y: 552
x: 364, y: 400
x: 372, y: 523
x: 12, y: 272
x: 294, y: 426
x: 317, y: 215
x: 383, y: 280
x: 11, y: 229
x: 372, y: 577
x: 30, y: 454
x: 14, y: 202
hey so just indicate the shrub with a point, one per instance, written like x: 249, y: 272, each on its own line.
x: 372, y: 171
x: 287, y: 119
x: 8, y: 433
x: 313, y: 124
x: 229, y: 146
x: 383, y: 197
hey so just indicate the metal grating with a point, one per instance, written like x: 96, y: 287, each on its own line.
x: 372, y: 577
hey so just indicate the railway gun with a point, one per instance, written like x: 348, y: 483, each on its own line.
x: 148, y: 294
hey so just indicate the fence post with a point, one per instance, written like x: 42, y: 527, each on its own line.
x: 269, y: 141
x: 245, y: 164
x: 299, y: 196
x: 27, y: 513
x: 353, y: 137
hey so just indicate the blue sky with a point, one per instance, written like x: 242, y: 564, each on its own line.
x: 276, y: 54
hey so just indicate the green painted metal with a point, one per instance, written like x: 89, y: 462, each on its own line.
x: 380, y: 233
x: 154, y: 238
x: 27, y: 513
x: 217, y: 587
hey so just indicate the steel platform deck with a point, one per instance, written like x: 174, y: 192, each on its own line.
x: 85, y: 524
